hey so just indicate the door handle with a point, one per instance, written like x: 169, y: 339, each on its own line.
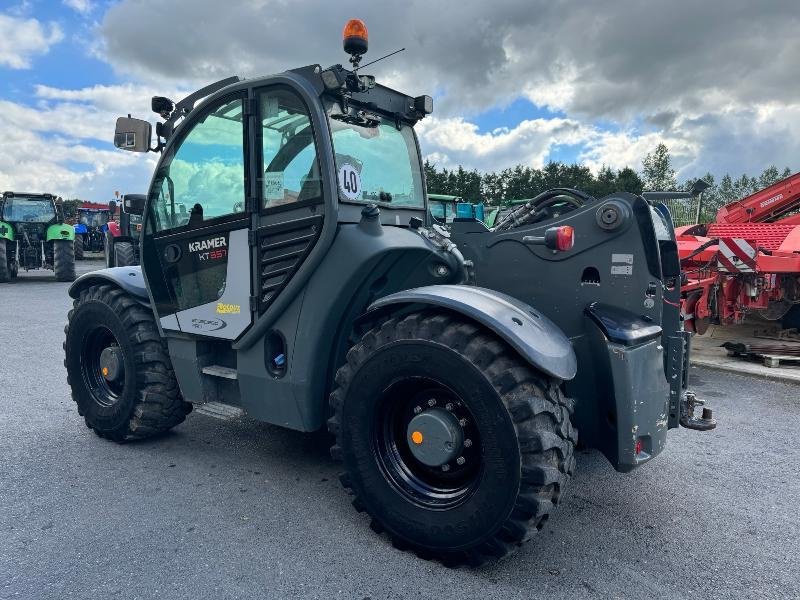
x: 172, y: 253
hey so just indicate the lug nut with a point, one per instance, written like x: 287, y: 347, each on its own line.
x: 467, y: 443
x: 417, y: 410
x: 431, y: 402
x: 449, y: 406
x: 445, y: 468
x: 461, y: 460
x: 462, y: 422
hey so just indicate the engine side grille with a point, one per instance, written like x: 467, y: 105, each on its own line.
x: 282, y: 249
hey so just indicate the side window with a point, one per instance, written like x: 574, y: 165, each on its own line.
x: 205, y: 177
x: 289, y: 157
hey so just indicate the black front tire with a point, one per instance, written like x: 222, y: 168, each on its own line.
x: 64, y: 260
x: 5, y: 266
x: 124, y: 254
x: 145, y: 400
x: 520, y: 417
x: 78, y: 246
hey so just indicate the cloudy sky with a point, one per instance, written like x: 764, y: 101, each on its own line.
x: 522, y: 81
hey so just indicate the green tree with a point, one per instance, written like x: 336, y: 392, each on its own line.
x: 492, y: 188
x: 628, y: 180
x: 726, y: 191
x: 71, y: 207
x: 769, y: 176
x: 657, y: 170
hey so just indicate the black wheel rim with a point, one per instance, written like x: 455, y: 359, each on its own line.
x: 430, y: 487
x: 106, y: 393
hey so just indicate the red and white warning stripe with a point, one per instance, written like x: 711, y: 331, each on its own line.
x: 736, y: 256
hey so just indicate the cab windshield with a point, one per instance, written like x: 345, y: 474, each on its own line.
x: 93, y: 218
x: 28, y: 210
x: 376, y: 161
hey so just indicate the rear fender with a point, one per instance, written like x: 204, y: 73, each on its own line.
x: 128, y: 279
x: 6, y: 231
x: 60, y: 231
x: 537, y: 339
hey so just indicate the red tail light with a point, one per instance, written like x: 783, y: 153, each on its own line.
x: 565, y: 238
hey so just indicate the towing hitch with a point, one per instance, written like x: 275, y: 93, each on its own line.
x: 705, y: 422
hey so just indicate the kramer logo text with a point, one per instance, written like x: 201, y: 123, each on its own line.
x: 211, y: 249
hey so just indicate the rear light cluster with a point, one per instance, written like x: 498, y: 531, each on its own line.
x: 560, y: 238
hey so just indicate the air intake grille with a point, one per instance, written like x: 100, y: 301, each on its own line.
x: 281, y: 250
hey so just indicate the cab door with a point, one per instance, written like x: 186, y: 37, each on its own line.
x: 196, y: 252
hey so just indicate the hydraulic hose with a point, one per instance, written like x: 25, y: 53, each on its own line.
x: 531, y: 210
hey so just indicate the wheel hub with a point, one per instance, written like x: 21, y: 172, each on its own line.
x: 111, y: 365
x: 435, y: 437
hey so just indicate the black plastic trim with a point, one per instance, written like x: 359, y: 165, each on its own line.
x: 621, y: 326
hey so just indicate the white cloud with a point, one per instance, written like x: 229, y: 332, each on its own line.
x: 453, y: 141
x: 62, y: 144
x: 22, y: 39
x: 709, y: 81
x: 83, y: 7
x: 694, y: 75
x: 117, y: 99
x: 618, y: 150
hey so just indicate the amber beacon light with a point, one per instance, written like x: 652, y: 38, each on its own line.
x: 355, y: 37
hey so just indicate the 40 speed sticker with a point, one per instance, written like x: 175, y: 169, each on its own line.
x: 349, y: 182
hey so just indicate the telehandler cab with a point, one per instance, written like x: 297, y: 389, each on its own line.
x: 290, y: 269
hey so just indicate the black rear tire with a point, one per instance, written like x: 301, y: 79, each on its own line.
x: 64, y: 260
x: 78, y: 246
x: 145, y: 399
x: 518, y: 417
x: 124, y: 255
x: 5, y: 266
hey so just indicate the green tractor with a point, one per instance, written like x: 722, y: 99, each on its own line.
x: 33, y: 235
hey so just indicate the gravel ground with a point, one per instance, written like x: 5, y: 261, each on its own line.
x: 240, y: 509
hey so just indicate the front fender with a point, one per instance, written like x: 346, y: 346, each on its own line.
x: 60, y: 231
x: 6, y: 231
x: 129, y: 279
x: 537, y: 339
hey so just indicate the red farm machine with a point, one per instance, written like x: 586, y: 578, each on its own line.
x: 746, y: 262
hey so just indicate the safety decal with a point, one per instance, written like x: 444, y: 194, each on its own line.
x: 736, y: 256
x: 349, y: 182
x: 622, y: 264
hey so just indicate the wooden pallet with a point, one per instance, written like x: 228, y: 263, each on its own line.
x: 769, y: 360
x: 775, y: 360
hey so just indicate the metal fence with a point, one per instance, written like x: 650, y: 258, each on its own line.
x: 684, y: 211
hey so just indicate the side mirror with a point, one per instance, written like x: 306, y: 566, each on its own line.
x: 133, y: 204
x: 112, y: 207
x: 132, y: 134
